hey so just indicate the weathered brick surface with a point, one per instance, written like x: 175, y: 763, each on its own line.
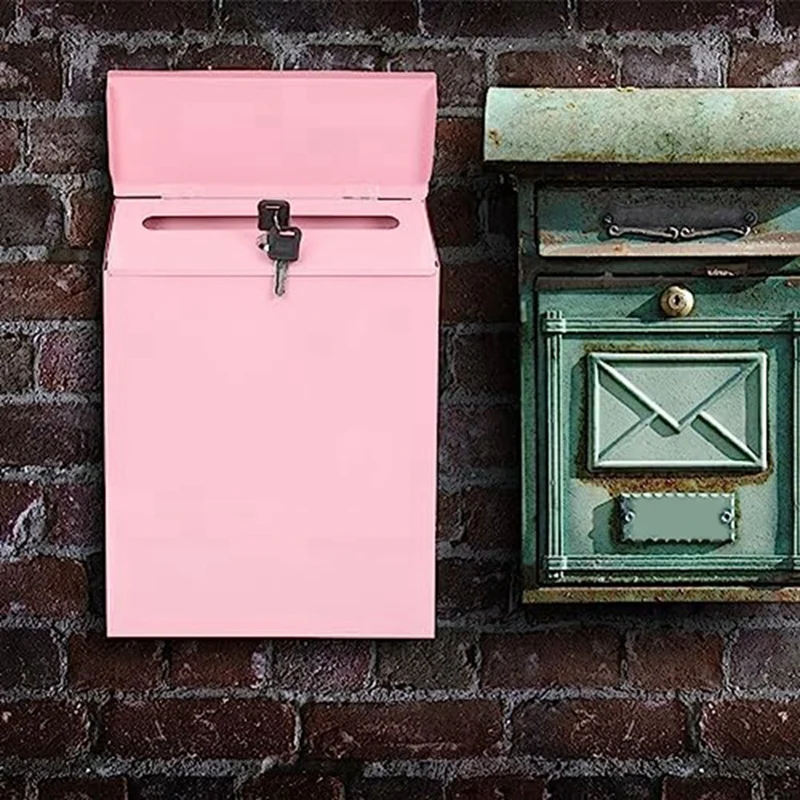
x: 42, y: 729
x: 603, y: 789
x: 49, y: 435
x: 74, y: 514
x: 29, y: 71
x: 288, y: 787
x: 482, y: 292
x: 752, y: 728
x: 485, y: 363
x: 161, y: 787
x: 668, y: 15
x: 578, y: 657
x: 49, y: 291
x: 12, y: 788
x: 67, y: 144
x: 336, y: 57
x: 319, y: 664
x: 69, y: 361
x: 88, y: 218
x: 485, y: 518
x: 19, y: 507
x: 670, y: 67
x: 464, y: 586
x: 600, y: 728
x: 396, y: 788
x: 452, y: 729
x: 43, y: 587
x: 29, y: 658
x: 459, y: 146
x: 766, y: 658
x: 215, y: 662
x: 507, y: 787
x: 119, y: 15
x: 30, y: 214
x: 477, y: 437
x: 9, y: 145
x: 16, y: 364
x: 461, y: 75
x: 765, y: 64
x: 578, y: 67
x: 661, y: 659
x: 226, y: 57
x: 96, y: 662
x: 201, y: 728
x: 454, y: 215
x: 114, y: 788
x: 706, y: 789
x: 780, y: 787
x: 446, y: 662
x: 492, y: 17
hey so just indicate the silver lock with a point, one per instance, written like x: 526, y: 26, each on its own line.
x: 677, y: 301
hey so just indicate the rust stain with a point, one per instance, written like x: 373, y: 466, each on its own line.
x: 494, y: 136
x: 654, y: 594
x: 550, y: 239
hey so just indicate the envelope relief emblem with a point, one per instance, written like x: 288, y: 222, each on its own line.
x: 677, y: 411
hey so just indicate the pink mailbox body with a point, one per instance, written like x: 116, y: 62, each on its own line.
x: 270, y: 460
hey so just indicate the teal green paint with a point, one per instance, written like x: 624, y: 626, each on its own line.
x: 571, y: 220
x: 701, y: 126
x: 692, y: 517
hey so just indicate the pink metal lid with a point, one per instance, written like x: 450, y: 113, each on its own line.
x: 281, y: 134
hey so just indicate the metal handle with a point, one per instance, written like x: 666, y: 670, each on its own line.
x: 676, y: 233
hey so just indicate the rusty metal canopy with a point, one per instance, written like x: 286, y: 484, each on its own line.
x: 643, y: 126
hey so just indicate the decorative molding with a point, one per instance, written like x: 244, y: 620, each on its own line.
x: 555, y: 432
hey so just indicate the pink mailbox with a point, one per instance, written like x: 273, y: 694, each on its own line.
x: 270, y: 458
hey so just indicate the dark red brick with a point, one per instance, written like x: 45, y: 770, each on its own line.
x: 501, y: 787
x: 8, y: 13
x: 459, y: 146
x: 787, y: 13
x: 308, y: 16
x: 617, y: 788
x: 293, y: 787
x: 119, y: 15
x: 67, y: 144
x: 16, y: 364
x: 485, y: 363
x: 161, y: 787
x: 452, y: 729
x: 113, y: 788
x: 42, y: 729
x: 492, y: 17
x: 782, y: 787
x: 336, y: 56
x: 676, y: 788
x: 396, y: 788
x: 69, y: 361
x: 454, y: 215
x: 765, y: 64
x: 88, y: 218
x: 487, y: 518
x: 52, y: 435
x: 662, y: 659
x: 482, y: 292
x: 88, y: 75
x: 752, y: 728
x: 574, y: 657
x: 668, y: 15
x: 74, y: 514
x: 43, y: 587
x: 29, y: 215
x: 9, y: 145
x: 670, y: 67
x: 96, y: 662
x: 227, y: 56
x: 29, y: 71
x: 205, y: 728
x: 572, y: 67
x: 462, y: 76
x: 446, y: 662
x: 49, y: 291
x: 478, y: 437
x: 20, y: 512
x: 321, y: 664
x: 12, y: 788
x: 766, y: 659
x: 215, y: 662
x: 599, y: 728
x: 28, y: 659
x: 463, y: 586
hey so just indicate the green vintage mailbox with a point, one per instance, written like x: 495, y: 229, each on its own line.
x: 659, y: 247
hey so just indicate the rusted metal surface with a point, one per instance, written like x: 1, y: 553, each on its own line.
x: 662, y: 594
x: 663, y: 126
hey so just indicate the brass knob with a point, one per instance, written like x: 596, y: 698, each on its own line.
x: 676, y: 301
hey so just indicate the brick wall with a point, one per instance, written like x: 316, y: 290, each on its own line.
x: 678, y: 702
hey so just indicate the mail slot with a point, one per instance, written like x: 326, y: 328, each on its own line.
x: 659, y: 233
x: 270, y: 355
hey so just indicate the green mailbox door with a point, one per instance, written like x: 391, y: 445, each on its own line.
x: 659, y: 245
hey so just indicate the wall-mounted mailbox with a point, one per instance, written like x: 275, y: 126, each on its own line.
x: 659, y: 234
x: 270, y: 350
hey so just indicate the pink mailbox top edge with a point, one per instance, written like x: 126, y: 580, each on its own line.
x: 252, y: 133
